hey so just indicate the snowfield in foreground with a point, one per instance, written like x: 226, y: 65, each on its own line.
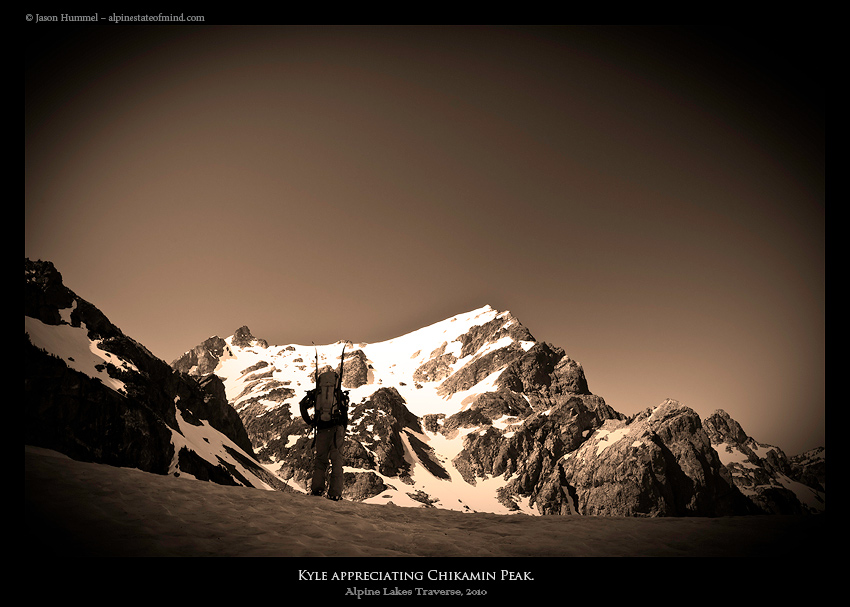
x: 82, y: 509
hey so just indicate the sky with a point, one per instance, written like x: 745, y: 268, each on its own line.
x: 649, y: 199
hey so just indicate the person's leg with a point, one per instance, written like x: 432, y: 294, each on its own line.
x: 336, y: 481
x: 320, y: 466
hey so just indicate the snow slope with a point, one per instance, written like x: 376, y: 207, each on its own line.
x: 84, y: 509
x: 392, y: 363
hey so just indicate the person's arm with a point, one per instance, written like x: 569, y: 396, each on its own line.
x: 307, y: 402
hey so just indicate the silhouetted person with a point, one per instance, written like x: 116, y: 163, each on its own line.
x: 329, y: 421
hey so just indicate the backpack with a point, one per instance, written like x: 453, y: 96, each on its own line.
x: 327, y: 405
x: 328, y: 398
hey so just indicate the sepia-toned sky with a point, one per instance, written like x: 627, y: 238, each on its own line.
x: 649, y: 199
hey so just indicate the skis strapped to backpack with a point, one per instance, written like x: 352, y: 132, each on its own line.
x: 331, y: 401
x: 340, y: 397
x: 315, y: 392
x: 339, y: 379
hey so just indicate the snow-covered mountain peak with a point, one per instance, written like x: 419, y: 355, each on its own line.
x: 415, y: 364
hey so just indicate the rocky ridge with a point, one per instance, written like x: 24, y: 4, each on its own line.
x: 96, y: 395
x: 776, y: 483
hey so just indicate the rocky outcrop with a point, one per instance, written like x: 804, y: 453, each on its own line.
x: 242, y: 338
x: 202, y: 359
x: 377, y: 427
x: 478, y: 369
x: 527, y: 451
x: 435, y: 369
x: 45, y: 295
x: 205, y: 357
x: 503, y: 326
x: 355, y: 372
x: 659, y: 463
x: 763, y: 472
x: 359, y: 486
x: 74, y: 414
x: 544, y: 372
x: 809, y: 468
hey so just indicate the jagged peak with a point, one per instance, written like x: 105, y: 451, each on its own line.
x: 243, y: 337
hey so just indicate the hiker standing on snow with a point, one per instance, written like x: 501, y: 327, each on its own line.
x: 329, y: 422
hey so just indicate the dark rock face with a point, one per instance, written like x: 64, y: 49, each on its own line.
x: 202, y: 359
x: 491, y: 332
x: 387, y: 417
x: 45, y: 295
x: 436, y: 369
x: 355, y: 370
x: 244, y: 339
x: 74, y: 414
x: 660, y: 463
x: 810, y: 469
x: 527, y: 454
x: 70, y: 412
x: 478, y: 369
x: 498, y: 404
x: 546, y: 372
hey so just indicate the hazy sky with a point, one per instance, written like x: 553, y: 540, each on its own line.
x: 649, y: 199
